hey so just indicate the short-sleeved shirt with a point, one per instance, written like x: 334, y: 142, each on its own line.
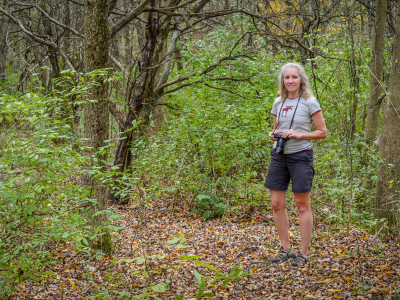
x: 302, y: 121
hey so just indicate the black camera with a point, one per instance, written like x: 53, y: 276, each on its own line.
x: 280, y: 143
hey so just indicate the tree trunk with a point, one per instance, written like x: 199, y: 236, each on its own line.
x: 387, y: 188
x: 353, y: 71
x: 96, y: 114
x: 55, y: 69
x: 139, y: 90
x: 3, y: 44
x: 159, y: 111
x: 377, y: 60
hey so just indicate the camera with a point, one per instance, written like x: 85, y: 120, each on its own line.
x: 280, y: 143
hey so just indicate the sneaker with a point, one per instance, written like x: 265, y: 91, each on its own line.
x: 283, y: 255
x: 299, y: 260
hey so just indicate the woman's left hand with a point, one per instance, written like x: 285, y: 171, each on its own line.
x: 292, y: 134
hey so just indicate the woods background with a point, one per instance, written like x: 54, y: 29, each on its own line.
x: 135, y: 101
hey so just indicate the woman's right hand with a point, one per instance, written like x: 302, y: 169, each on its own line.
x: 271, y: 136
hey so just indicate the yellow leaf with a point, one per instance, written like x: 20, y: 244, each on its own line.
x: 288, y: 281
x: 72, y: 284
x: 333, y: 291
x: 327, y: 280
x: 348, y: 278
x: 339, y: 251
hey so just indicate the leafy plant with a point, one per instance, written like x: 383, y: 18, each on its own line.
x: 235, y: 274
x: 209, y: 208
x: 42, y: 201
x: 202, y: 286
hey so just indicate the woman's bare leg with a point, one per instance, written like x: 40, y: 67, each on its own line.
x: 306, y: 220
x: 278, y: 201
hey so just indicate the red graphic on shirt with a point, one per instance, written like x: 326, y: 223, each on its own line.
x: 285, y: 110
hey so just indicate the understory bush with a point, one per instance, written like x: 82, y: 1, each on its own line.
x: 42, y: 202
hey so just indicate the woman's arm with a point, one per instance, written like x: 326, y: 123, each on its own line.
x: 318, y: 133
x: 270, y: 134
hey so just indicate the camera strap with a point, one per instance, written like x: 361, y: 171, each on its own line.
x: 280, y: 111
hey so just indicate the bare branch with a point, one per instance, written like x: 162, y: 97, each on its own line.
x: 210, y: 13
x: 179, y: 87
x: 210, y: 86
x: 167, y: 66
x: 38, y: 39
x: 209, y: 69
x: 225, y: 90
x: 77, y: 3
x: 58, y: 23
x: 291, y: 36
x: 129, y: 17
x: 112, y: 106
x: 180, y: 5
x: 200, y: 6
x: 118, y: 64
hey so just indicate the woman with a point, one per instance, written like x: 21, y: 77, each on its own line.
x: 294, y: 112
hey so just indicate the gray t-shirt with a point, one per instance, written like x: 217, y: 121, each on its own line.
x: 301, y: 123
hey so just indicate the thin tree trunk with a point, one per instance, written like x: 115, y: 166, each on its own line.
x: 377, y: 60
x: 96, y: 113
x: 3, y: 44
x: 159, y: 111
x: 387, y: 187
x: 353, y: 71
x: 138, y: 93
x: 55, y: 70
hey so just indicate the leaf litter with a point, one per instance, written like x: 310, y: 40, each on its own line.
x: 171, y: 254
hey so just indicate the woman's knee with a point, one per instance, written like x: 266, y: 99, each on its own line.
x: 278, y: 200
x: 303, y: 208
x: 302, y: 202
x: 278, y: 205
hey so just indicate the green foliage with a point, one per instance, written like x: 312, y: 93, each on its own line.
x: 42, y: 202
x: 202, y: 286
x: 396, y: 295
x: 235, y: 274
x: 209, y: 208
x: 36, y: 190
x: 215, y: 142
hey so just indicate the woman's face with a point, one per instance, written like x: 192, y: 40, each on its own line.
x: 292, y: 81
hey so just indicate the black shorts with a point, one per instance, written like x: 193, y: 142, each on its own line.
x: 297, y: 167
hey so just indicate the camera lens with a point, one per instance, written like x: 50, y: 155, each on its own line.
x: 280, y: 145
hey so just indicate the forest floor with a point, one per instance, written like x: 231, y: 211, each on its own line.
x: 172, y: 254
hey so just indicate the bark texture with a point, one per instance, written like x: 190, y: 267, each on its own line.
x: 3, y: 44
x: 387, y: 189
x: 139, y: 90
x: 377, y: 61
x: 96, y: 113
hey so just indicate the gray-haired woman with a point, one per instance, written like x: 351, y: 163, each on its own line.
x: 294, y: 113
